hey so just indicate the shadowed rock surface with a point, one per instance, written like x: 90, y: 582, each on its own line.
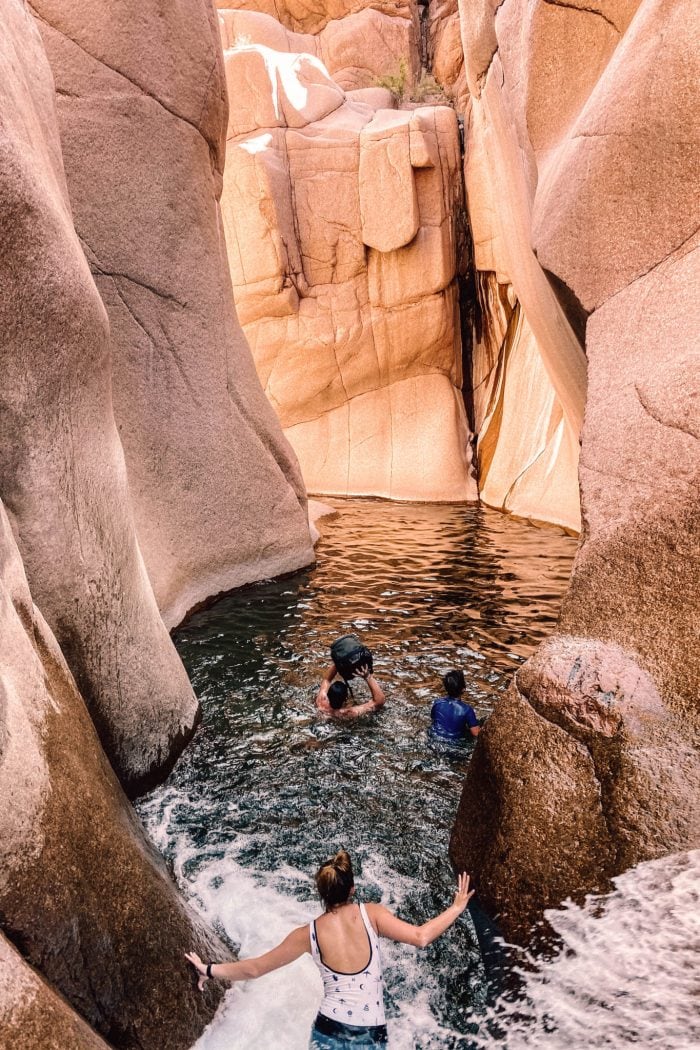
x: 32, y: 1015
x: 83, y: 896
x: 591, y: 764
x: 217, y: 495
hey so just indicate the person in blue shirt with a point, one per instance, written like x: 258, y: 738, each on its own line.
x: 452, y: 718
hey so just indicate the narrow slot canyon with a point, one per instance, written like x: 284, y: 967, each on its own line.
x: 366, y: 321
x: 330, y: 316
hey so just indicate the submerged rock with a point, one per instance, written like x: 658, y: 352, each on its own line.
x: 83, y: 896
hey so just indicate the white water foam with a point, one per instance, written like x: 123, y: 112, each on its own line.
x: 628, y: 972
x: 257, y: 912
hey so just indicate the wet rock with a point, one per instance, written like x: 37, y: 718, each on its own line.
x: 581, y: 773
x: 216, y: 491
x: 62, y: 472
x: 83, y: 896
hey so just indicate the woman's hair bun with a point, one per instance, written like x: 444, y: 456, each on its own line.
x: 335, y: 879
x: 341, y: 861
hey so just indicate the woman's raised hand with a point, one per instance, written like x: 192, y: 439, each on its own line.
x: 463, y: 894
x: 199, y: 966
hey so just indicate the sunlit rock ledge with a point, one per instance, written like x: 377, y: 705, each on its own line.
x: 350, y: 307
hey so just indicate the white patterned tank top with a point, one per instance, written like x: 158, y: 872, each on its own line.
x: 352, y: 998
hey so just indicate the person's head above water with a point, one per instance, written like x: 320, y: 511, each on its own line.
x: 337, y: 695
x: 335, y: 880
x: 454, y: 683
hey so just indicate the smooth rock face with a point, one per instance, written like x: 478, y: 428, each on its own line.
x: 359, y: 47
x: 82, y: 894
x: 62, y: 473
x: 350, y: 308
x: 533, y: 476
x: 32, y: 1015
x: 591, y: 763
x: 217, y: 494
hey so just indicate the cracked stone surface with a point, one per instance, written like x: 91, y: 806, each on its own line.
x: 217, y: 495
x: 350, y: 307
x: 595, y: 172
x: 82, y: 894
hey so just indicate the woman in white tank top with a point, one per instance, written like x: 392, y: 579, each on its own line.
x: 344, y: 944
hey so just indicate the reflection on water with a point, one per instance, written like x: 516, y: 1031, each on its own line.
x: 268, y: 789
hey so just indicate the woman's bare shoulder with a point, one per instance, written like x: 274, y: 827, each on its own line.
x: 374, y: 913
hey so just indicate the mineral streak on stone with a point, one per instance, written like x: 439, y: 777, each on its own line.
x: 591, y: 762
x: 62, y: 471
x: 350, y: 306
x: 526, y: 358
x: 83, y: 896
x: 217, y: 494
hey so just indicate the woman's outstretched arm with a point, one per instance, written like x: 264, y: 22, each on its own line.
x: 388, y: 925
x: 292, y: 947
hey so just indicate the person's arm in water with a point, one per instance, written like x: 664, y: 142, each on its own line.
x: 322, y: 694
x: 378, y: 699
x: 474, y: 727
x: 291, y: 948
x: 388, y: 925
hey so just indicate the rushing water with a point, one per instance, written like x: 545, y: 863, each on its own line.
x: 268, y: 789
x: 627, y: 972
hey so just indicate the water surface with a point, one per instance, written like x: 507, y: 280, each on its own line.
x: 268, y: 788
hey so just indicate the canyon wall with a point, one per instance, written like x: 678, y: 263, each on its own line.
x: 352, y: 308
x: 590, y: 764
x: 83, y: 896
x: 217, y: 496
x: 341, y: 215
x: 141, y: 471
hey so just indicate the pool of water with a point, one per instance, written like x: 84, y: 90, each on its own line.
x: 268, y: 788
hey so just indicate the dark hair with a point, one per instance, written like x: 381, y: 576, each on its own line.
x: 337, y: 695
x: 335, y: 880
x: 454, y: 683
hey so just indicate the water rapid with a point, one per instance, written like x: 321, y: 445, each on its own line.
x: 268, y: 789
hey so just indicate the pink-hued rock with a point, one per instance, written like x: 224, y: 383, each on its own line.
x: 359, y: 49
x: 591, y: 765
x: 311, y: 16
x: 386, y: 174
x: 62, y: 473
x: 350, y: 308
x: 527, y: 454
x: 445, y: 52
x: 81, y: 891
x: 498, y: 197
x: 217, y: 495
